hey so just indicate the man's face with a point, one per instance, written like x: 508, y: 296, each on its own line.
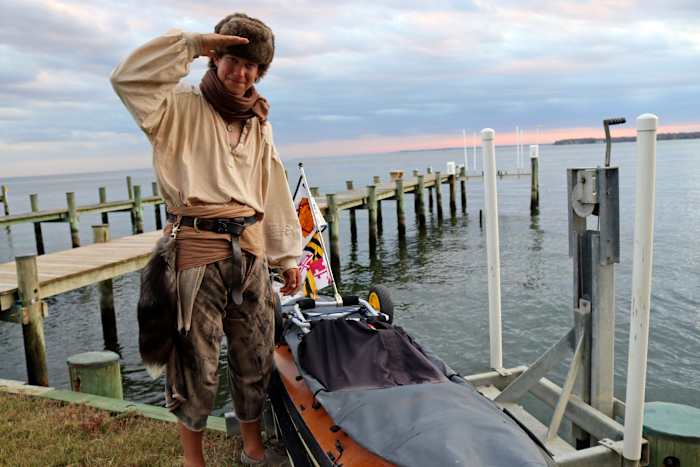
x: 237, y: 74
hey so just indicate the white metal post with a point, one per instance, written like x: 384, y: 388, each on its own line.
x: 466, y: 155
x: 474, y: 150
x: 645, y: 191
x: 492, y: 248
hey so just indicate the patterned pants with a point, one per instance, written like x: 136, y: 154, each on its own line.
x: 192, y: 374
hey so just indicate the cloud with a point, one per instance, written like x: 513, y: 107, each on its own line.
x: 343, y: 70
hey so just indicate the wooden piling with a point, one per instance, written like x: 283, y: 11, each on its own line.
x: 156, y: 208
x: 430, y: 191
x: 400, y: 215
x: 372, y: 218
x: 380, y: 223
x: 353, y: 218
x: 103, y: 199
x: 333, y: 220
x: 420, y: 205
x: 96, y: 373
x: 315, y: 192
x: 73, y: 220
x: 130, y: 194
x: 32, y: 316
x: 5, y: 202
x: 129, y: 187
x: 534, y: 186
x: 451, y: 180
x: 463, y: 189
x: 137, y: 210
x: 38, y: 236
x: 438, y: 194
x: 108, y: 316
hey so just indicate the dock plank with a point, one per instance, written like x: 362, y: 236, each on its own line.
x: 71, y: 269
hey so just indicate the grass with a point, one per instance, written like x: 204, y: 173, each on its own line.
x: 39, y: 432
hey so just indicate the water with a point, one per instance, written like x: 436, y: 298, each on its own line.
x: 438, y: 280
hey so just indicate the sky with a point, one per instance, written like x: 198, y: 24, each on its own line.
x: 356, y: 77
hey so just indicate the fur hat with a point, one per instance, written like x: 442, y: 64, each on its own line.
x: 261, y: 46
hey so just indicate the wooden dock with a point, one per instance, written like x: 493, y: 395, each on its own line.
x: 26, y: 282
x: 71, y: 269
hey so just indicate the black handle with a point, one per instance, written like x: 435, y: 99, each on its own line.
x: 614, y: 121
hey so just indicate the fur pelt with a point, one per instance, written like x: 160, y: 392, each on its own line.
x: 157, y: 307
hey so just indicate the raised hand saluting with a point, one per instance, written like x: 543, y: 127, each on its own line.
x: 213, y: 42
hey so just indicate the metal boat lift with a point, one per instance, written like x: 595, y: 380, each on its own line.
x: 586, y: 398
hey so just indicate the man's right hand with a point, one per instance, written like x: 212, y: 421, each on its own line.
x: 212, y: 42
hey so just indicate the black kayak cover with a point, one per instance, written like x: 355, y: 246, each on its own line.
x: 402, y: 403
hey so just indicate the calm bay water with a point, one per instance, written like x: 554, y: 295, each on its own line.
x: 437, y: 279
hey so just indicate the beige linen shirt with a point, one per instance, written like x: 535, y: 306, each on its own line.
x: 193, y: 160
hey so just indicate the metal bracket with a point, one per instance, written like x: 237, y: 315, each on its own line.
x: 584, y: 196
x: 20, y: 314
x: 503, y: 371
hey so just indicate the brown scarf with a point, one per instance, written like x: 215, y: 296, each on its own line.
x: 231, y: 107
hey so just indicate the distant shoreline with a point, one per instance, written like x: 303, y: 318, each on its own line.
x: 626, y: 139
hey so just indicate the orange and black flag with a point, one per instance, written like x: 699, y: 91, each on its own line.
x: 313, y: 264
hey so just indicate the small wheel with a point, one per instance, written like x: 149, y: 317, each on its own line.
x: 279, y: 321
x: 380, y: 299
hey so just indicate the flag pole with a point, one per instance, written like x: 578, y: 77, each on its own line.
x: 338, y: 298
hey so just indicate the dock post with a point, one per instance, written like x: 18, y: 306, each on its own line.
x: 645, y: 196
x: 96, y: 373
x: 315, y: 192
x: 673, y: 431
x: 32, y: 315
x: 420, y: 205
x: 534, y: 181
x: 400, y: 215
x: 438, y: 194
x: 333, y: 220
x: 130, y: 194
x: 380, y: 224
x: 463, y: 189
x: 103, y: 200
x: 492, y: 248
x: 156, y: 208
x: 39, y: 237
x: 137, y: 212
x: 452, y: 179
x: 73, y: 220
x: 5, y: 203
x: 429, y: 171
x: 108, y: 316
x: 372, y: 218
x: 353, y: 218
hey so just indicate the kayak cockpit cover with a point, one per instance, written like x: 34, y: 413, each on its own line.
x: 344, y: 354
x: 401, y: 402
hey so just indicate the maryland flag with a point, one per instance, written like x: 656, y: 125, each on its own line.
x: 313, y: 265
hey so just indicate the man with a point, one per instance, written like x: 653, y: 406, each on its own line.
x: 230, y: 213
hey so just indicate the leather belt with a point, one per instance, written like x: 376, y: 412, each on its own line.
x: 233, y: 226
